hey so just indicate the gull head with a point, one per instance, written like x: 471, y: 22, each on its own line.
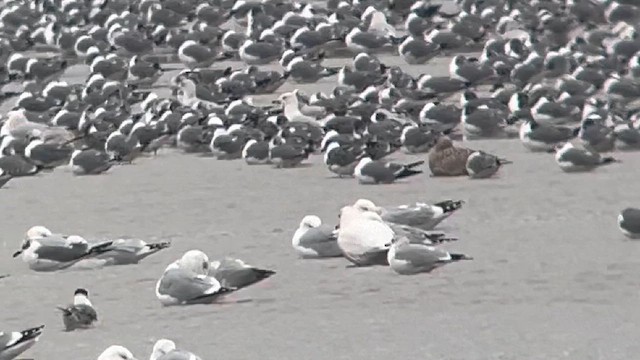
x: 195, y: 261
x: 310, y: 221
x: 37, y: 232
x: 116, y: 352
x: 366, y: 205
x: 161, y: 348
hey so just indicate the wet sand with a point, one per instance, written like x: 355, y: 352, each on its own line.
x: 552, y: 276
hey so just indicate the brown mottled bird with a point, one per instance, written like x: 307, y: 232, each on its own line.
x: 448, y: 160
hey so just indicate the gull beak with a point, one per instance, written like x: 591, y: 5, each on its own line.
x: 15, y: 254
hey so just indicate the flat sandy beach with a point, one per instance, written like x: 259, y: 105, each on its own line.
x: 552, y: 276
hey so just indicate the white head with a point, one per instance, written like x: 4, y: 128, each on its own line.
x: 366, y: 205
x: 196, y: 261
x: 116, y: 352
x: 162, y: 347
x: 81, y: 297
x: 37, y: 232
x: 310, y: 221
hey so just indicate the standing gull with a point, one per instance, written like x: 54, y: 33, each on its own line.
x: 186, y: 282
x: 81, y: 314
x: 15, y: 343
x: 44, y: 251
x: 369, y: 171
x: 629, y: 222
x: 313, y: 239
x: 409, y: 259
x: 235, y: 274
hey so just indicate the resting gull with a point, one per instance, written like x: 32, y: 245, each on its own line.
x: 481, y: 165
x: 116, y: 352
x: 90, y: 162
x: 420, y: 215
x: 573, y: 159
x: 445, y: 159
x: 81, y: 314
x: 544, y: 137
x: 363, y: 237
x: 341, y: 160
x: 44, y: 251
x: 313, y: 239
x: 186, y: 281
x: 406, y: 258
x: 15, y: 343
x: 629, y: 222
x: 130, y: 251
x: 236, y: 274
x: 370, y: 171
x: 165, y: 349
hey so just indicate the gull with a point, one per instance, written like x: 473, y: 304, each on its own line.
x: 90, y: 162
x: 481, y: 165
x: 305, y: 72
x: 369, y: 171
x: 543, y: 137
x: 406, y: 258
x: 360, y: 41
x: 186, y: 282
x: 194, y: 55
x: 4, y: 177
x: 291, y: 109
x: 116, y: 352
x: 629, y: 222
x: 284, y: 155
x: 445, y: 159
x: 256, y: 152
x: 165, y: 349
x: 312, y: 239
x: 259, y: 53
x: 47, y: 155
x: 417, y: 51
x: 340, y: 159
x: 130, y: 251
x: 14, y: 343
x: 81, y: 314
x: 415, y: 140
x: 419, y: 215
x: 45, y: 251
x: 363, y: 237
x: 236, y: 274
x: 573, y: 159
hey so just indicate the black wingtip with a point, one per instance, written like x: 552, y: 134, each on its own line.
x: 610, y: 160
x: 159, y: 245
x: 450, y: 205
x: 408, y: 172
x: 459, y: 257
x: 414, y: 164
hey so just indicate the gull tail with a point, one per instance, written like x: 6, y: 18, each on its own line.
x: 459, y: 257
x: 414, y: 164
x: 450, y: 205
x: 65, y: 311
x: 223, y: 290
x: 262, y: 274
x: 397, y: 40
x: 406, y: 172
x: 504, y: 161
x: 609, y: 160
x: 159, y: 245
x: 100, y: 248
x: 329, y: 71
x: 439, y: 238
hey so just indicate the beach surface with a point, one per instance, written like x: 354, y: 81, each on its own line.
x: 552, y: 278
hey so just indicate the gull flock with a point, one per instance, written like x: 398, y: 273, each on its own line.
x: 562, y: 76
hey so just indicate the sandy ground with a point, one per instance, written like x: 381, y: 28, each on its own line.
x: 552, y: 276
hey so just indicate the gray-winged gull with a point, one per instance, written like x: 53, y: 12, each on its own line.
x: 420, y: 215
x: 629, y: 222
x: 406, y: 258
x: 573, y: 159
x: 14, y: 343
x: 415, y: 140
x: 364, y: 237
x: 165, y: 349
x: 48, y: 155
x: 369, y: 171
x: 44, y: 251
x: 256, y: 152
x: 116, y: 352
x: 544, y: 137
x: 341, y: 160
x: 186, y: 282
x: 130, y: 251
x: 81, y: 314
x: 90, y: 162
x: 236, y: 274
x: 481, y: 165
x: 313, y: 239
